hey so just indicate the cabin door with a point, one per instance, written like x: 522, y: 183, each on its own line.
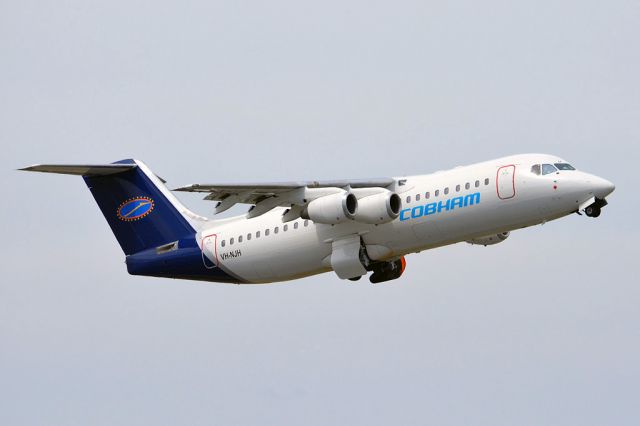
x: 506, y: 182
x: 209, y: 251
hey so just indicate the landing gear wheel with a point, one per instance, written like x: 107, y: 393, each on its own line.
x: 355, y: 278
x: 592, y: 211
x: 387, y: 271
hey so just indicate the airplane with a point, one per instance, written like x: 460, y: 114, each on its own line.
x: 351, y: 227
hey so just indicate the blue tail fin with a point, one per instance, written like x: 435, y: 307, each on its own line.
x: 140, y: 210
x: 155, y: 231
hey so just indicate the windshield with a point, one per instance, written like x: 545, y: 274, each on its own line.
x: 548, y: 168
x: 564, y: 166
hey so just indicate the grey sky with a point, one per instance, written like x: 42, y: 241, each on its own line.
x: 543, y: 329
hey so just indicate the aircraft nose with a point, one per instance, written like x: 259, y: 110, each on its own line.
x: 601, y: 187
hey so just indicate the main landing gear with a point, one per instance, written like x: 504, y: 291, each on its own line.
x: 384, y: 271
x: 381, y: 270
x: 387, y: 271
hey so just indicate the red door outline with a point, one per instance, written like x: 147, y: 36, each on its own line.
x: 512, y: 194
x: 215, y: 250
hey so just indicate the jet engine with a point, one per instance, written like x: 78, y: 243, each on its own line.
x: 331, y: 209
x: 379, y: 208
x: 489, y: 240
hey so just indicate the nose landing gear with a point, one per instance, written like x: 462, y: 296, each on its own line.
x: 593, y: 207
x: 593, y: 211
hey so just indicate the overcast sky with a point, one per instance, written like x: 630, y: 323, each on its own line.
x: 542, y: 329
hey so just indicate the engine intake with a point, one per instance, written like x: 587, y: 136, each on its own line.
x: 379, y: 208
x: 332, y: 209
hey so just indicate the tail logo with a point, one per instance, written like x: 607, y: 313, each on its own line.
x: 135, y: 209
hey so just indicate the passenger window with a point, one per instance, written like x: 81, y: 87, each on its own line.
x: 275, y: 230
x: 437, y: 194
x: 467, y: 185
x: 535, y: 169
x: 257, y: 234
x: 408, y: 199
x: 446, y: 191
x: 457, y: 188
x: 295, y: 225
x: 248, y: 237
x: 240, y: 239
x: 231, y: 242
x: 285, y: 228
x: 224, y: 243
x: 417, y: 197
x: 486, y: 181
x: 266, y: 232
x: 306, y: 223
x: 427, y: 195
x: 477, y: 184
x: 548, y: 168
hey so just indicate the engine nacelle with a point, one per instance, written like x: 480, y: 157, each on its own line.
x: 332, y: 209
x: 490, y: 240
x: 379, y: 208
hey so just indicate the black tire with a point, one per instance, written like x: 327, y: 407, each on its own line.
x: 592, y: 211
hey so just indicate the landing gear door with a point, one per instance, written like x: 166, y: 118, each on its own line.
x: 506, y: 182
x: 345, y: 257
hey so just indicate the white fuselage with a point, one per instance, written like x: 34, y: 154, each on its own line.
x: 437, y: 209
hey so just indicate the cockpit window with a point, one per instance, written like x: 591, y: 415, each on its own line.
x: 564, y: 166
x: 548, y: 168
x: 535, y: 169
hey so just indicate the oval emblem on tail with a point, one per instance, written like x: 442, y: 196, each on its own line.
x: 135, y: 208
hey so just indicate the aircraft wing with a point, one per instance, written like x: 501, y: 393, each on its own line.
x: 266, y: 196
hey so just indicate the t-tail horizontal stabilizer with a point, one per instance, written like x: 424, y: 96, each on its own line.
x: 81, y: 169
